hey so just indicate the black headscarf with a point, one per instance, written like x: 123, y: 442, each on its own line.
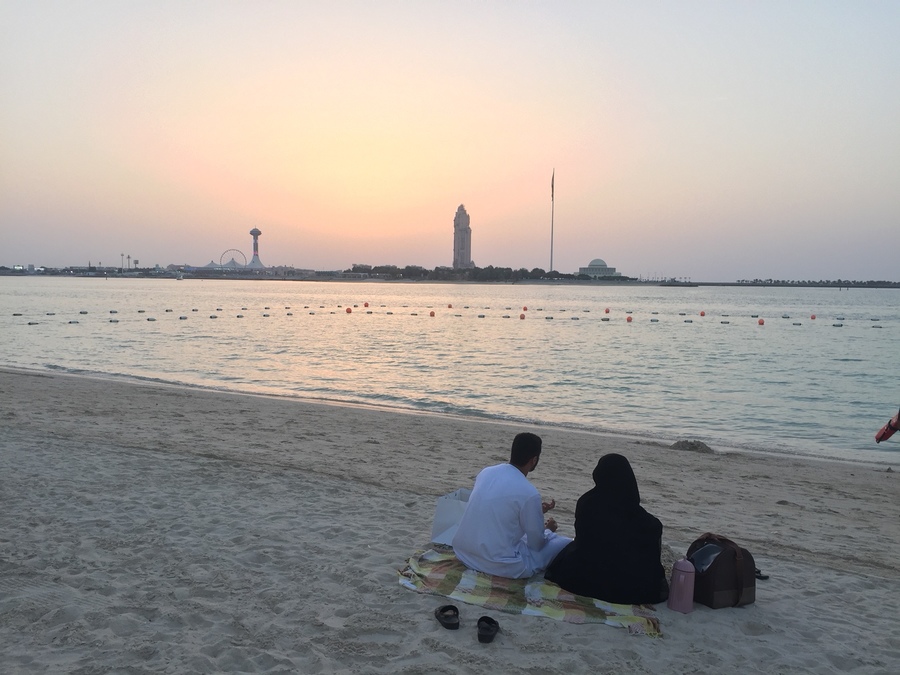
x: 616, y: 552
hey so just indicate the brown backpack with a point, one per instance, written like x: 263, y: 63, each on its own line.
x: 725, y: 573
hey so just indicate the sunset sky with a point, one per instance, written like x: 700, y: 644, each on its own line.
x: 710, y: 140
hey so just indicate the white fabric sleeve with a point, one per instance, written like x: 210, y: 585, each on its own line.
x: 532, y: 520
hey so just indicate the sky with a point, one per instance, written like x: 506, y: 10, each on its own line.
x: 713, y: 141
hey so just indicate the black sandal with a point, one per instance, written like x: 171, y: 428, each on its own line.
x: 448, y: 616
x: 487, y: 629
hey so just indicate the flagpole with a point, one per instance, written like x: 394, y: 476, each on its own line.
x: 552, y: 181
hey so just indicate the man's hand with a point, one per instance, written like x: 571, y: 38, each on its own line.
x: 551, y: 525
x: 546, y: 506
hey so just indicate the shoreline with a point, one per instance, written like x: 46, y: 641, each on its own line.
x: 888, y: 460
x: 171, y: 276
x: 162, y: 528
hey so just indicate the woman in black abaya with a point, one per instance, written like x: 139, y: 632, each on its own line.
x: 616, y: 553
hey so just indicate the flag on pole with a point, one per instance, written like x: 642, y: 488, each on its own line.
x: 552, y: 180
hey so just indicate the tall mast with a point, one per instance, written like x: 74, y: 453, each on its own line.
x: 552, y: 181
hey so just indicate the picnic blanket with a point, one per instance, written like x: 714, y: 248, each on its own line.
x: 439, y: 572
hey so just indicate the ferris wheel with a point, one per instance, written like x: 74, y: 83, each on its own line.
x: 232, y: 258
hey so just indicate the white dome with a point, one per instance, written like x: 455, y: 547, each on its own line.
x: 596, y: 262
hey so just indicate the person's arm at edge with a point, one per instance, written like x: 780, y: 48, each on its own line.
x: 532, y: 517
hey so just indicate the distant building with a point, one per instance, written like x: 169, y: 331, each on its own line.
x: 462, y: 240
x: 255, y: 262
x: 598, y: 269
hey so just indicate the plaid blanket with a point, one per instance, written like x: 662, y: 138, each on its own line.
x: 439, y: 572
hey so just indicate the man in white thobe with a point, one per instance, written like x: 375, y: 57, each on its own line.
x: 503, y: 531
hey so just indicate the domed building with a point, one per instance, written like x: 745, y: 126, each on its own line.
x: 598, y: 269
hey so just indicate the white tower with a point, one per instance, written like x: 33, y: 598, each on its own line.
x: 462, y: 240
x: 254, y: 261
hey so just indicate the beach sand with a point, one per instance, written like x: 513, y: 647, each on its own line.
x: 151, y: 528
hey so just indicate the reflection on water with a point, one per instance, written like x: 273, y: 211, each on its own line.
x: 794, y: 384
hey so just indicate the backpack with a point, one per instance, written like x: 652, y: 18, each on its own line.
x: 725, y: 572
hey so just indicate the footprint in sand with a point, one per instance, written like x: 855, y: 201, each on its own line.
x: 755, y: 628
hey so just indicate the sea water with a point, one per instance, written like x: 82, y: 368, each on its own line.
x: 816, y: 387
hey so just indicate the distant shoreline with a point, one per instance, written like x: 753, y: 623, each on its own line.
x: 577, y: 282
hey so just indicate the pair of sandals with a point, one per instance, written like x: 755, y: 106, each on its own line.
x: 448, y: 617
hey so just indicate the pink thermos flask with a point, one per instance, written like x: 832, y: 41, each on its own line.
x: 681, y: 588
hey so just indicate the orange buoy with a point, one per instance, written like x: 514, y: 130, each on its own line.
x: 628, y: 319
x: 606, y: 310
x: 349, y: 310
x: 365, y: 304
x: 431, y: 313
x: 813, y: 317
x: 702, y: 313
x: 524, y: 309
x: 761, y: 322
x: 449, y: 306
x: 521, y: 316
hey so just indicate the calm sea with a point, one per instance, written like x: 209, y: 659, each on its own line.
x: 818, y: 387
